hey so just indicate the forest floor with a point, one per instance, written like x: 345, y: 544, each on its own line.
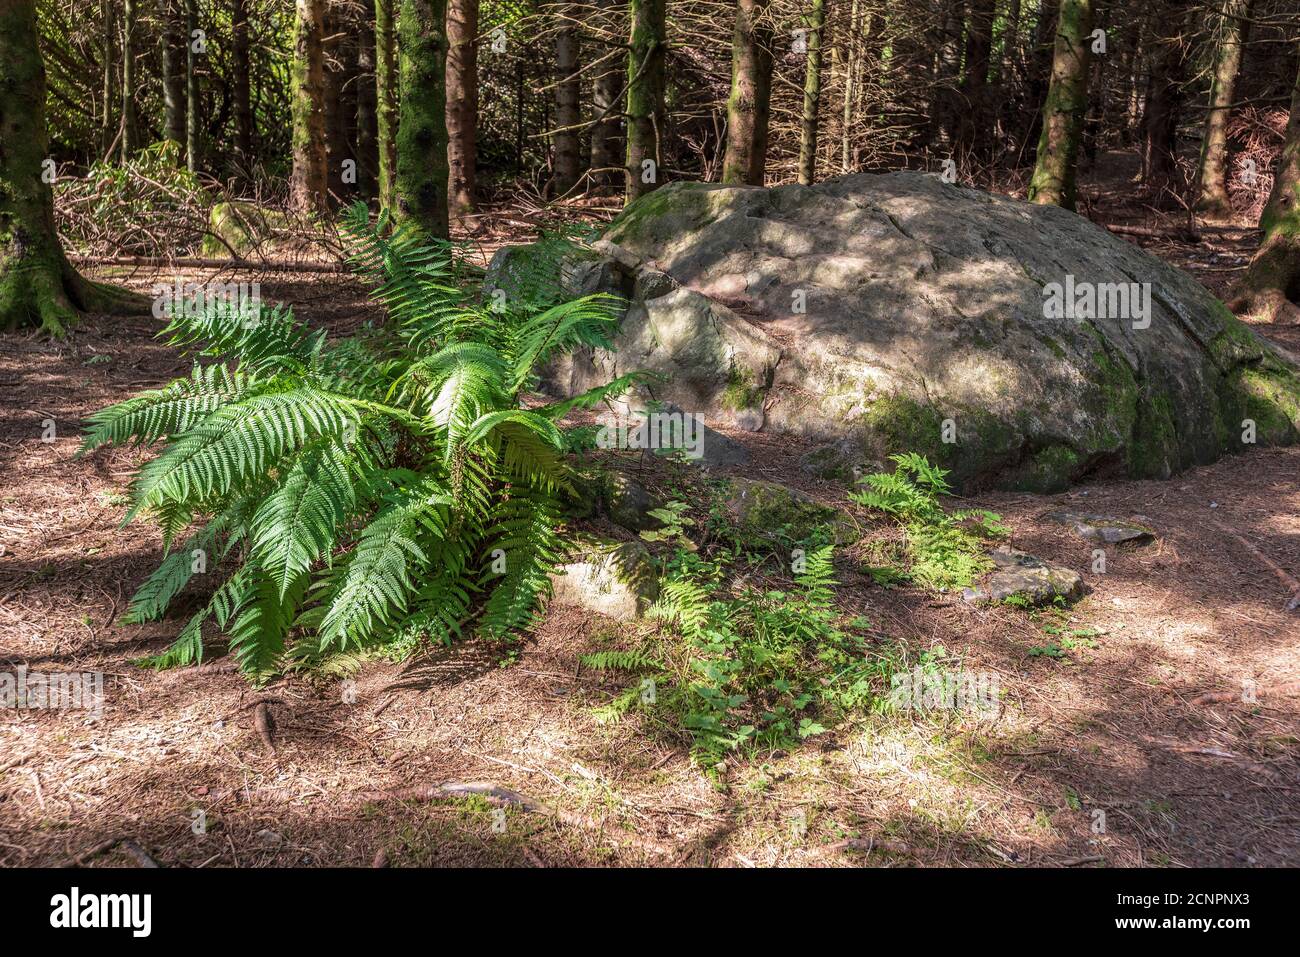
x: 1141, y: 717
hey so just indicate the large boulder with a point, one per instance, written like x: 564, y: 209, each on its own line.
x: 900, y: 313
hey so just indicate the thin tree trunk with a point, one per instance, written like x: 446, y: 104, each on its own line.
x: 422, y: 136
x: 645, y: 96
x: 367, y: 105
x: 172, y: 46
x: 1212, y: 168
x: 748, y: 107
x: 1164, y: 101
x: 606, y: 134
x: 107, y: 131
x: 1053, y: 182
x: 568, y: 115
x: 975, y: 127
x: 192, y: 154
x: 243, y: 70
x: 309, y: 180
x: 38, y: 286
x: 1270, y: 288
x: 812, y: 88
x: 462, y: 105
x: 130, y: 128
x: 850, y: 71
x: 339, y: 98
x: 386, y: 115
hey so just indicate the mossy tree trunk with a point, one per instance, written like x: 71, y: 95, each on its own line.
x: 422, y: 134
x: 38, y: 286
x: 1053, y: 182
x: 309, y: 181
x: 1212, y: 170
x: 645, y: 95
x: 812, y: 89
x: 1270, y: 288
x: 367, y: 104
x: 462, y: 105
x: 386, y: 121
x: 568, y: 113
x: 749, y: 106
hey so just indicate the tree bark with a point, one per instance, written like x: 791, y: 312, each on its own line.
x: 975, y: 126
x: 568, y: 115
x: 241, y: 93
x: 192, y: 154
x: 607, y: 132
x: 386, y: 115
x: 309, y: 182
x: 172, y: 46
x: 107, y: 131
x: 812, y: 88
x: 1212, y: 170
x: 1270, y: 288
x: 339, y: 98
x: 130, y: 125
x: 38, y: 286
x: 462, y: 105
x: 1053, y: 182
x: 749, y: 106
x: 1164, y: 101
x: 367, y: 104
x: 645, y: 96
x: 422, y: 136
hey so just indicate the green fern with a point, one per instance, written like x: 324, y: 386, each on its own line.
x: 362, y: 490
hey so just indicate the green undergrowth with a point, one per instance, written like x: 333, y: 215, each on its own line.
x: 944, y: 550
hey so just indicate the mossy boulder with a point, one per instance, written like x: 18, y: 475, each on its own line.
x: 1018, y: 346
x: 242, y: 227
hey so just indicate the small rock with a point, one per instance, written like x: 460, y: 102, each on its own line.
x: 618, y: 581
x: 629, y: 504
x: 841, y: 461
x: 1103, y: 528
x: 769, y: 510
x: 1020, y: 575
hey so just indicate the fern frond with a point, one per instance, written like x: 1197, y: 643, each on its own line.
x: 169, y: 411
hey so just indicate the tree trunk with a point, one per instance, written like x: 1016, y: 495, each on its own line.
x: 812, y: 88
x: 606, y: 133
x: 749, y: 106
x: 367, y: 104
x: 422, y: 137
x: 1053, y: 182
x: 1039, y: 70
x: 309, y: 181
x: 462, y: 105
x: 192, y: 154
x: 975, y: 126
x: 339, y: 99
x: 645, y: 96
x: 386, y: 118
x: 1212, y: 169
x: 242, y: 69
x: 172, y: 45
x: 568, y: 115
x: 38, y: 286
x: 1164, y: 101
x: 850, y: 44
x: 130, y: 125
x: 1270, y: 288
x: 107, y: 131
